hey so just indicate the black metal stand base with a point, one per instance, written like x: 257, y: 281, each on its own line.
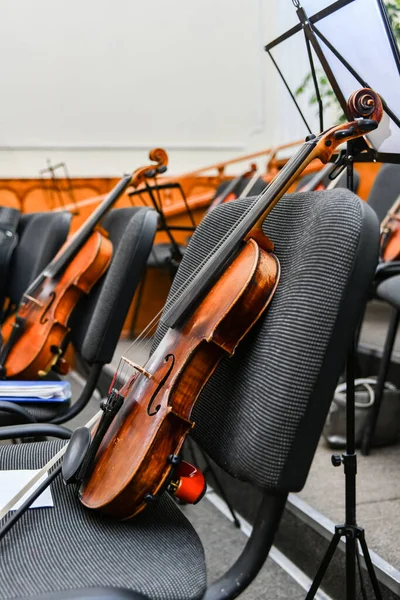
x: 350, y: 530
x: 352, y: 535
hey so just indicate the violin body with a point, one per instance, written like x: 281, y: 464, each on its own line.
x: 35, y: 337
x: 46, y: 315
x: 133, y: 463
x: 390, y: 233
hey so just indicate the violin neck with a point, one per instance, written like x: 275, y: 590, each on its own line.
x: 224, y: 253
x: 75, y: 243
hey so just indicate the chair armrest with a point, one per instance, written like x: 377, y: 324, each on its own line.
x: 89, y: 594
x: 16, y: 409
x: 34, y: 430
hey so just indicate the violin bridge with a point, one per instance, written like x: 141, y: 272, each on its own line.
x: 138, y: 368
x: 31, y: 299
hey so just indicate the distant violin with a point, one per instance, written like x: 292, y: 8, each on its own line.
x: 316, y: 182
x: 134, y: 453
x: 36, y: 336
x: 390, y: 233
x: 231, y: 190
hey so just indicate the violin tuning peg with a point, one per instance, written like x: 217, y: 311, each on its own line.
x: 161, y: 169
x: 150, y: 173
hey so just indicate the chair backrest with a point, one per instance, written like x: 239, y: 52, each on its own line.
x: 98, y: 319
x: 262, y: 412
x: 385, y: 190
x: 258, y: 187
x: 342, y: 183
x: 41, y: 235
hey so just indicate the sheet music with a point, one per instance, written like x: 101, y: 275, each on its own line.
x: 12, y: 481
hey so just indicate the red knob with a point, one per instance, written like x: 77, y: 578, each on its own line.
x: 189, y: 484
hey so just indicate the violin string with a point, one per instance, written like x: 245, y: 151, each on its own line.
x: 153, y: 323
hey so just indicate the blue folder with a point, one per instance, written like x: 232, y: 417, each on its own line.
x: 35, y: 391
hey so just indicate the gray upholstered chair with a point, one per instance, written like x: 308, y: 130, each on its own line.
x: 41, y: 235
x: 259, y: 417
x: 98, y: 319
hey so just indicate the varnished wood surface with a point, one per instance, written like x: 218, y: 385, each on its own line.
x: 37, y: 194
x: 155, y: 417
x: 47, y: 318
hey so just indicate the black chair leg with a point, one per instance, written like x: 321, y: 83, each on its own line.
x: 380, y: 384
x: 217, y: 483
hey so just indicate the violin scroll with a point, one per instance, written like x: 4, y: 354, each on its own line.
x: 366, y: 108
x: 365, y: 103
x: 157, y: 155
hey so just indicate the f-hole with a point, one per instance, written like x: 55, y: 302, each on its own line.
x: 44, y: 320
x: 153, y: 411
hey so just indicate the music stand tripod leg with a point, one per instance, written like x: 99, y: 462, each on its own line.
x: 324, y: 565
x: 369, y: 565
x: 349, y: 530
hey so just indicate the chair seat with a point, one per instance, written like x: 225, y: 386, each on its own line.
x: 157, y: 554
x: 90, y: 594
x: 389, y: 291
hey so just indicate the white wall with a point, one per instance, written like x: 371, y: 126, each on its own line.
x: 97, y: 83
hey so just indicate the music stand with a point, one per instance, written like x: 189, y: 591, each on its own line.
x: 339, y: 42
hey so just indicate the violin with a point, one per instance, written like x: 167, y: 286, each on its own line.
x: 133, y: 455
x: 36, y: 335
x: 230, y: 192
x: 331, y: 170
x: 390, y: 233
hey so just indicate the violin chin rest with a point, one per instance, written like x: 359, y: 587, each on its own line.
x: 75, y: 454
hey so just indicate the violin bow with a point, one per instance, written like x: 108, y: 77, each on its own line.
x: 34, y: 480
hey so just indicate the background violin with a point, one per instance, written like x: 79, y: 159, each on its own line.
x: 231, y: 190
x: 390, y: 233
x: 35, y: 337
x: 135, y: 450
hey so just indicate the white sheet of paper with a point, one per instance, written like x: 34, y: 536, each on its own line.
x: 12, y: 481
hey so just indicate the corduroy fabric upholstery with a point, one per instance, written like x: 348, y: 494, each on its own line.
x: 68, y: 547
x: 41, y: 235
x: 261, y: 413
x: 90, y: 594
x: 98, y: 319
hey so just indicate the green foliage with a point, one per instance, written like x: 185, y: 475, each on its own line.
x: 393, y: 10
x: 328, y: 97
